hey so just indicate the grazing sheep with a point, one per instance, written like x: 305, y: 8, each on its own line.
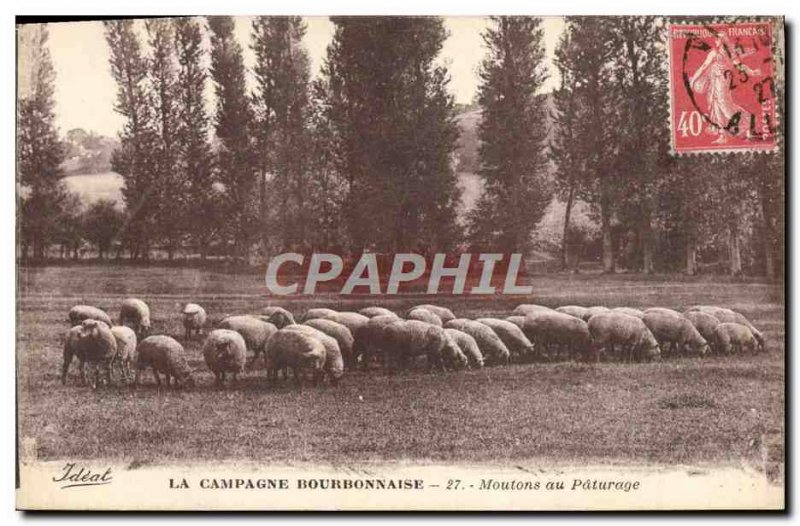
x: 342, y: 335
x: 372, y: 339
x: 135, y: 314
x: 552, y: 332
x: 519, y: 321
x: 225, y: 351
x: 673, y: 329
x: 298, y: 351
x: 334, y: 364
x: 491, y: 346
x: 516, y: 341
x: 636, y: 313
x: 78, y: 313
x: 319, y: 312
x: 278, y: 316
x: 194, y: 319
x: 704, y: 323
x: 412, y: 338
x: 256, y: 332
x: 444, y: 313
x: 573, y: 310
x: 730, y: 316
x: 468, y: 347
x: 734, y: 337
x: 93, y: 343
x: 351, y: 320
x: 636, y: 340
x: 527, y: 308
x: 163, y: 354
x: 371, y: 312
x: 592, y: 311
x: 424, y: 315
x: 126, y: 350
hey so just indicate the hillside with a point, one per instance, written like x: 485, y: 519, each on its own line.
x: 87, y: 152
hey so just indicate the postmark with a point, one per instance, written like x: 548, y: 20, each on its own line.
x: 722, y: 87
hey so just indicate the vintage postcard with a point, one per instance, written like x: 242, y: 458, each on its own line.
x: 401, y: 263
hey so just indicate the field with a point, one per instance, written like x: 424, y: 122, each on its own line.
x: 692, y: 411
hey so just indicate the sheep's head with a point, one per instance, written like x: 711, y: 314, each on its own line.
x: 280, y: 319
x: 91, y: 328
x: 452, y: 353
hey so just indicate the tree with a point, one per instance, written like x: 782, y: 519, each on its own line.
x: 281, y: 102
x: 393, y: 127
x: 200, y: 199
x: 133, y: 159
x: 102, y: 223
x: 236, y: 156
x: 168, y: 182
x: 512, y: 131
x: 39, y: 151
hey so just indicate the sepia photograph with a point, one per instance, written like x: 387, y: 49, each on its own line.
x: 367, y: 263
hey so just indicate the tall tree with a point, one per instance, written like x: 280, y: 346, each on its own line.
x: 195, y: 168
x: 235, y: 153
x: 168, y: 182
x: 133, y: 159
x: 281, y: 103
x: 513, y: 131
x: 392, y: 121
x: 39, y: 151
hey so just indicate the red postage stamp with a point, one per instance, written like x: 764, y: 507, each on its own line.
x: 722, y: 87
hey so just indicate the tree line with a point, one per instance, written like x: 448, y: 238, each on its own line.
x: 362, y: 157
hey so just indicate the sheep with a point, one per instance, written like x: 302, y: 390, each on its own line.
x: 526, y: 308
x: 573, y: 310
x: 673, y: 329
x: 704, y: 323
x: 351, y: 320
x: 126, y: 349
x: 662, y: 310
x: 371, y: 312
x: 636, y: 313
x: 296, y: 350
x: 733, y: 337
x: 78, y: 313
x: 163, y: 354
x: 592, y: 311
x: 424, y: 315
x: 135, y: 314
x: 511, y: 335
x: 444, y: 313
x: 412, y: 338
x: 334, y: 364
x: 371, y: 339
x: 730, y: 316
x: 519, y: 321
x: 468, y: 347
x: 93, y: 343
x: 319, y: 312
x: 342, y: 335
x: 194, y: 319
x: 491, y: 346
x: 256, y: 332
x: 225, y: 351
x: 553, y: 331
x: 278, y: 316
x: 613, y: 328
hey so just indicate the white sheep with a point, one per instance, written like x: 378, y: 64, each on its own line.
x: 225, y: 352
x: 135, y: 314
x: 194, y: 319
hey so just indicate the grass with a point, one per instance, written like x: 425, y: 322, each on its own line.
x: 690, y: 411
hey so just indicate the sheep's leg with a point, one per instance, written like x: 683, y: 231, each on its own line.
x: 65, y: 367
x: 158, y: 378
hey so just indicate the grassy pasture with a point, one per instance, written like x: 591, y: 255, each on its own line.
x: 718, y: 410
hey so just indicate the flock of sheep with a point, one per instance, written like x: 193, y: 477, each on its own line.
x: 329, y: 342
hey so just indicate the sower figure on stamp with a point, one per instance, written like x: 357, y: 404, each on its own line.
x: 716, y: 77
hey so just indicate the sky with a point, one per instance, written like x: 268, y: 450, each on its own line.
x: 85, y: 90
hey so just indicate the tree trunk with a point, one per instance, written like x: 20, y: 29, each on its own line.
x: 565, y: 237
x: 608, y: 241
x: 647, y: 245
x: 262, y: 190
x: 691, y: 257
x: 734, y: 247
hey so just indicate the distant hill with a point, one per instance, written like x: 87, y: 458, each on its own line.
x: 87, y: 152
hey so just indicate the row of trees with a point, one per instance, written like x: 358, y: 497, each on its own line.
x: 363, y: 156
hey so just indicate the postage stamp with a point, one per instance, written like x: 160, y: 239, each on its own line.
x: 722, y: 87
